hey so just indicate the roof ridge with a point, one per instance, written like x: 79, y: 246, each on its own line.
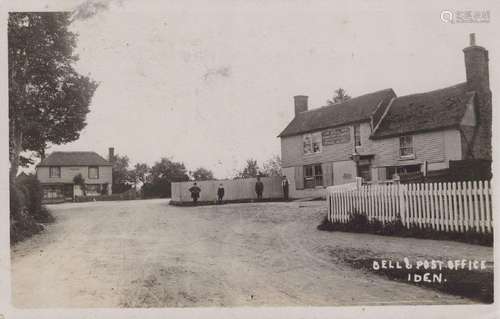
x: 433, y: 91
x: 353, y: 98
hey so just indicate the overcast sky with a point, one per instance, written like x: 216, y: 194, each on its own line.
x: 213, y: 85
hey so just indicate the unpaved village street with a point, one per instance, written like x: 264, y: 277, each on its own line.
x: 149, y: 254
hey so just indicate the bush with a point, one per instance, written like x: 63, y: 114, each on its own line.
x: 22, y: 224
x: 27, y: 214
x: 33, y: 193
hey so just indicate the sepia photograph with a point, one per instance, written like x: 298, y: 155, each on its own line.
x: 252, y: 155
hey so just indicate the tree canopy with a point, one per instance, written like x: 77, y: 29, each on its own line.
x: 339, y: 97
x: 272, y: 167
x: 163, y: 173
x: 48, y: 99
x: 121, y: 175
x: 251, y: 169
x: 202, y: 174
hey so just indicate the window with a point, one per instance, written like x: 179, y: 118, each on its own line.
x: 52, y: 192
x: 93, y: 172
x: 55, y: 172
x: 391, y: 171
x: 313, y: 176
x: 357, y: 135
x: 406, y: 147
x: 312, y: 143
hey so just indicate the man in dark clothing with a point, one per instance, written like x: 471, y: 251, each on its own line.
x: 195, y: 193
x: 259, y: 188
x: 220, y: 193
x: 284, y: 184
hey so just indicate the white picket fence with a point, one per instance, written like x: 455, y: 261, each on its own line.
x: 460, y: 206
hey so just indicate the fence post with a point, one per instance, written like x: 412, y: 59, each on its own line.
x: 488, y: 208
x: 466, y: 199
x: 476, y: 208
x: 481, y: 205
x: 460, y: 211
x: 402, y: 206
x: 471, y: 204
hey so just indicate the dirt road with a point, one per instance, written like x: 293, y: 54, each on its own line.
x: 150, y: 254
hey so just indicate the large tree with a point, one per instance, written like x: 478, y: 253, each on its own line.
x: 139, y: 174
x: 48, y: 99
x: 121, y: 175
x: 163, y: 173
x: 339, y: 97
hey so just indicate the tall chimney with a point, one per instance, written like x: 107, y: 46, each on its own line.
x: 300, y: 103
x: 111, y: 153
x: 476, y: 66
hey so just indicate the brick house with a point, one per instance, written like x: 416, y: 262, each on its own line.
x: 379, y: 136
x: 56, y: 173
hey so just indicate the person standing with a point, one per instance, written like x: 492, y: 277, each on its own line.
x: 220, y: 193
x: 259, y: 188
x: 285, y: 186
x: 195, y: 192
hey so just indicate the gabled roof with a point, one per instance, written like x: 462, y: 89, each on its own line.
x: 438, y: 109
x: 357, y: 109
x: 74, y: 159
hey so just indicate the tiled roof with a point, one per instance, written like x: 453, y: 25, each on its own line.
x: 74, y: 159
x: 354, y: 110
x: 438, y: 109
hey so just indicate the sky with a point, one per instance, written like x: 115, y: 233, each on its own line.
x: 213, y: 85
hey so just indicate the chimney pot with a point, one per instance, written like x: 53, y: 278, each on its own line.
x: 472, y: 38
x: 300, y: 102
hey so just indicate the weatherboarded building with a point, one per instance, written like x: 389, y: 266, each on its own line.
x: 380, y: 136
x: 57, y: 171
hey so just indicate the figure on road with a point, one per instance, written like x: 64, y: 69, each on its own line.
x: 259, y: 188
x: 284, y: 185
x: 220, y: 193
x: 195, y: 193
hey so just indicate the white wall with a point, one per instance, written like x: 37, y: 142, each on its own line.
x: 233, y: 189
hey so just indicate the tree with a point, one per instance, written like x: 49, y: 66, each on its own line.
x: 121, y: 176
x: 139, y: 174
x: 272, y: 167
x: 251, y: 169
x: 339, y: 97
x: 80, y: 181
x: 202, y: 174
x: 163, y: 173
x: 48, y: 99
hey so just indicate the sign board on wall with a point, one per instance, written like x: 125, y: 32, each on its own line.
x: 338, y: 135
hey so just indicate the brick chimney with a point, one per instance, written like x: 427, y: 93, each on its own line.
x: 300, y: 103
x: 477, y: 74
x: 476, y: 66
x: 111, y: 153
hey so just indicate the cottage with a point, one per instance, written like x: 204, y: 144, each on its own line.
x: 379, y: 136
x: 57, y: 171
